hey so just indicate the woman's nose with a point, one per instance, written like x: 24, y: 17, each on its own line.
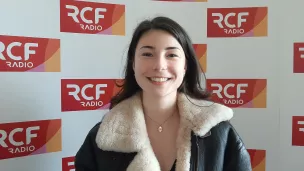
x: 160, y: 63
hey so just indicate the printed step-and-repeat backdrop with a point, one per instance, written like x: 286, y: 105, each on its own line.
x: 59, y: 62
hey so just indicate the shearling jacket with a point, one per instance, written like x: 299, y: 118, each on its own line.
x: 206, y: 140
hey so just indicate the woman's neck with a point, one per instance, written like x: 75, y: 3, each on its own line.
x: 159, y: 108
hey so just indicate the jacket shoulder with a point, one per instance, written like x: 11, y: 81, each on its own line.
x: 90, y: 157
x: 85, y: 158
x: 234, y: 150
x: 90, y: 139
x: 226, y: 132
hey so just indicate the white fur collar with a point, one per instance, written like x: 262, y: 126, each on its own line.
x: 123, y: 129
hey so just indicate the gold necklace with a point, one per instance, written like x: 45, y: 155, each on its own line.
x: 160, y: 128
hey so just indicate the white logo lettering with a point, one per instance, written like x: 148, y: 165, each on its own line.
x: 17, y: 59
x: 98, y: 92
x: 71, y: 163
x: 8, y: 50
x: 232, y: 28
x: 89, y: 23
x: 28, y: 135
x: 302, y: 124
x: 301, y: 50
x: 230, y: 100
x: 220, y: 89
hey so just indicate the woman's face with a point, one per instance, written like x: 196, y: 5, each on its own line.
x: 159, y: 63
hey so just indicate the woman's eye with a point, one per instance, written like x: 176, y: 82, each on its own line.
x: 172, y: 55
x: 147, y: 54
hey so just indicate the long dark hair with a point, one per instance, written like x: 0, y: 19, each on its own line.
x: 191, y: 84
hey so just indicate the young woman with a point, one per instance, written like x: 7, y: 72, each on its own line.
x: 162, y: 120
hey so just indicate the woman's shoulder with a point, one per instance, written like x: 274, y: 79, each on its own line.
x: 224, y: 140
x: 224, y: 128
x: 90, y: 157
x: 90, y: 137
x: 225, y: 132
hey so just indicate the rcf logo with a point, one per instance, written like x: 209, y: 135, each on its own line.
x: 20, y: 54
x: 68, y: 163
x: 92, y: 17
x: 21, y: 139
x: 87, y: 94
x: 258, y: 159
x: 201, y: 54
x: 298, y: 130
x: 237, y: 22
x: 239, y: 93
x: 298, y: 57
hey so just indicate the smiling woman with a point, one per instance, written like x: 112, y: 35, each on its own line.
x: 159, y: 64
x: 162, y: 119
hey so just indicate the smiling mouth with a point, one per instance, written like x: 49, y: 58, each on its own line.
x: 159, y: 79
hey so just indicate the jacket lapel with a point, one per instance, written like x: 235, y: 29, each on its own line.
x: 123, y: 129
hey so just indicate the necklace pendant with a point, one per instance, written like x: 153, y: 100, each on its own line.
x: 160, y: 129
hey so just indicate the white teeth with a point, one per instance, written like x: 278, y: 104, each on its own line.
x: 159, y: 79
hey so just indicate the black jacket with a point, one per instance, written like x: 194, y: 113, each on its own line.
x: 119, y: 142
